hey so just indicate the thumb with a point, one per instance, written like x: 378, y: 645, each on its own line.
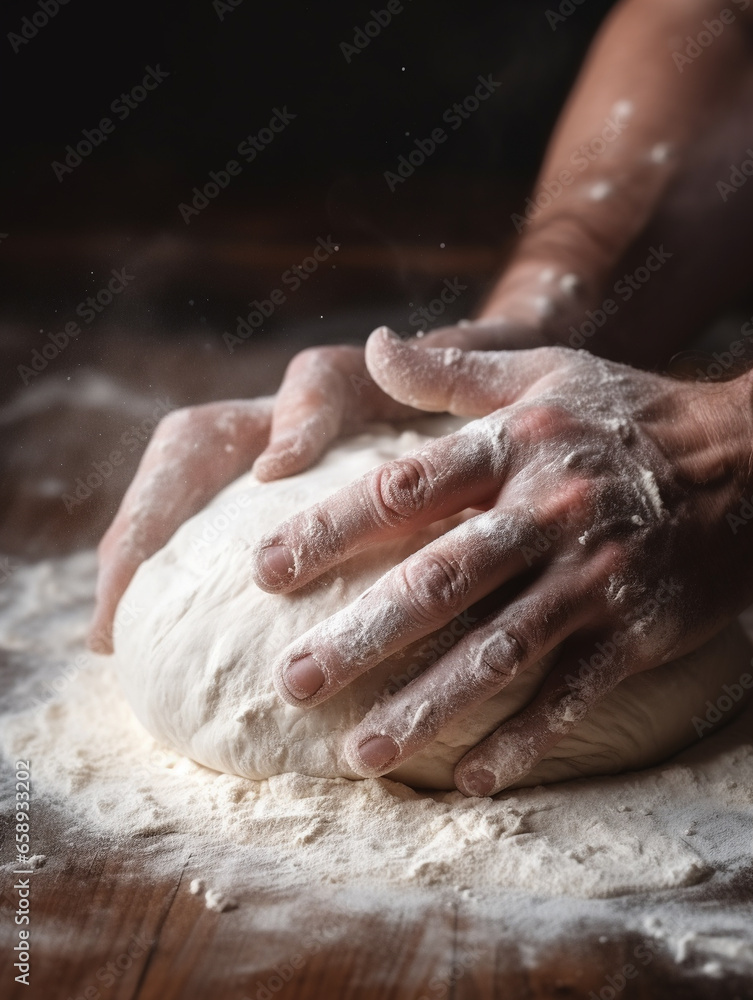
x: 448, y: 379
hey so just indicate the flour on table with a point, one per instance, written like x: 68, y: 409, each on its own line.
x: 678, y: 825
x: 559, y: 852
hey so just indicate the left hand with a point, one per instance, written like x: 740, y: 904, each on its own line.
x: 629, y: 476
x: 194, y: 453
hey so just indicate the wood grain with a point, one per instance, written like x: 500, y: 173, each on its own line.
x: 95, y: 900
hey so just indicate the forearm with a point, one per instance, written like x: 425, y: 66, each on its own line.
x: 638, y: 108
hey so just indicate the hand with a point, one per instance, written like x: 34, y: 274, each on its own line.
x: 327, y: 392
x: 637, y: 142
x: 628, y: 475
x: 194, y: 453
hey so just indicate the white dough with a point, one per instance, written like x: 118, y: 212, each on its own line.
x: 196, y: 642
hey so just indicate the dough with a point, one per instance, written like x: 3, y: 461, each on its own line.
x: 196, y: 642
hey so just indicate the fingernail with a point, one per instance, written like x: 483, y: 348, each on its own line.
x: 377, y: 752
x: 303, y: 677
x: 276, y: 564
x: 272, y: 462
x: 479, y: 782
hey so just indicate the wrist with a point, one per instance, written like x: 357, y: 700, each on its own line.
x: 550, y: 296
x: 723, y: 418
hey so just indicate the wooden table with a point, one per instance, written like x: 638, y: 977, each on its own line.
x: 104, y: 926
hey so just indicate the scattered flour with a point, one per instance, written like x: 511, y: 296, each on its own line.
x: 600, y: 190
x: 660, y: 152
x: 216, y: 900
x: 588, y: 838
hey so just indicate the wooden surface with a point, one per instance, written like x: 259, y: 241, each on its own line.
x: 90, y: 905
x: 93, y: 900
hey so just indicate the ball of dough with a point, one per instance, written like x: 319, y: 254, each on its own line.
x: 196, y: 642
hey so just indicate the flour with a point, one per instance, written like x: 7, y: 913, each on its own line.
x: 588, y: 838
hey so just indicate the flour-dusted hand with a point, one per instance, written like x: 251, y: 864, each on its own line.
x: 194, y: 453
x: 627, y: 476
x: 326, y: 393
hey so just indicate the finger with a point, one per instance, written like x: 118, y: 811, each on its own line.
x: 412, y: 600
x: 396, y: 499
x: 307, y: 416
x: 324, y: 389
x: 467, y: 383
x: 492, y: 333
x: 194, y: 453
x: 480, y: 665
x: 576, y: 684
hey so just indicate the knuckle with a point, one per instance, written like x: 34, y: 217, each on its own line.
x: 179, y: 421
x: 536, y: 423
x: 318, y: 529
x: 491, y: 672
x: 514, y: 649
x: 570, y: 503
x: 402, y: 489
x: 313, y: 357
x: 611, y: 558
x: 569, y: 508
x: 500, y: 657
x: 435, y: 585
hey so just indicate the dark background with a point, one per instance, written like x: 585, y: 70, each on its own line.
x: 162, y: 338
x: 226, y: 75
x: 322, y: 175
